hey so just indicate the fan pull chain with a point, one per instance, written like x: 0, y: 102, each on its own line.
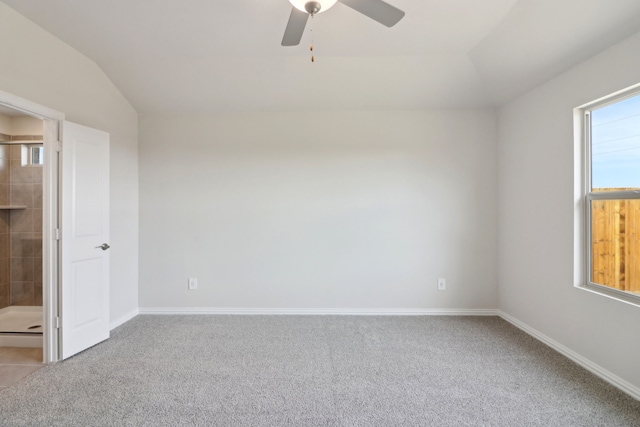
x: 313, y: 59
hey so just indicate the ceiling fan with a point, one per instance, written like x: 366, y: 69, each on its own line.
x: 377, y: 10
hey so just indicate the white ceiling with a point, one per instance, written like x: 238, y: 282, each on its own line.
x: 218, y: 56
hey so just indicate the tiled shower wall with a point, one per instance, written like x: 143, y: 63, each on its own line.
x: 20, y: 230
x: 5, y: 284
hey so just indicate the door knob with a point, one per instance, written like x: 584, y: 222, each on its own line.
x: 103, y: 246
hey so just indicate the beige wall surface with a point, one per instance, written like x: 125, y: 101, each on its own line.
x: 5, y: 124
x: 537, y: 216
x: 319, y: 210
x: 39, y: 67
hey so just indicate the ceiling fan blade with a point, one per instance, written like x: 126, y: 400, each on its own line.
x: 377, y: 10
x: 295, y: 27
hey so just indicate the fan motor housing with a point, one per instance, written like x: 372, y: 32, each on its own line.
x: 312, y: 7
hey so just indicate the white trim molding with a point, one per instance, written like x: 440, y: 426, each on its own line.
x: 595, y: 369
x: 322, y: 311
x: 28, y: 107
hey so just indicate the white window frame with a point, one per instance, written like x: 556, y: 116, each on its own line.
x: 582, y: 117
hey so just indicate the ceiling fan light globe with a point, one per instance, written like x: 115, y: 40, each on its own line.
x: 324, y: 4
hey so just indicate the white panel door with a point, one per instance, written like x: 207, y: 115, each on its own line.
x: 85, y: 238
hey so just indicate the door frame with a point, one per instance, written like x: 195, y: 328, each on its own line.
x: 52, y: 126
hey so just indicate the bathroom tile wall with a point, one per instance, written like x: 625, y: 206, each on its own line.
x: 25, y: 231
x: 20, y: 230
x: 5, y: 284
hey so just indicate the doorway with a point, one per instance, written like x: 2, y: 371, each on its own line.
x: 21, y: 266
x: 21, y: 185
x: 28, y: 216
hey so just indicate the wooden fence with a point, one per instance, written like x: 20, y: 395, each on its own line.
x: 616, y: 243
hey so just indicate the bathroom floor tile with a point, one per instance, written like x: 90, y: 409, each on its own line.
x: 18, y: 362
x: 20, y: 356
x: 10, y: 374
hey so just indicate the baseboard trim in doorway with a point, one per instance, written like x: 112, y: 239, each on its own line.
x: 124, y: 319
x: 322, y: 311
x: 590, y: 366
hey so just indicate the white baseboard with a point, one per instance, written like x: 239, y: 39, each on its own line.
x: 124, y: 319
x: 321, y: 311
x: 597, y: 370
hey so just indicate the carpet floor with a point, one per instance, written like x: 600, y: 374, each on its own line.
x: 316, y: 371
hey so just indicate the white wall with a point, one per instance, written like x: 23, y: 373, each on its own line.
x: 42, y: 69
x: 536, y: 205
x: 319, y: 210
x: 26, y: 125
x: 5, y: 124
x: 20, y: 125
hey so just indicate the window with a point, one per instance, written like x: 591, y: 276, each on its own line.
x: 32, y: 155
x: 612, y: 195
x: 36, y: 154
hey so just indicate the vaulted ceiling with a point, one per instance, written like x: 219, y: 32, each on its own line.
x: 218, y: 56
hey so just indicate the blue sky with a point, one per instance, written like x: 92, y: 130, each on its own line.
x: 615, y: 139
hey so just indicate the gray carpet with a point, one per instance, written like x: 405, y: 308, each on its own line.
x: 316, y: 371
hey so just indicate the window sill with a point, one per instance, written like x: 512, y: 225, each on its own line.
x: 615, y: 294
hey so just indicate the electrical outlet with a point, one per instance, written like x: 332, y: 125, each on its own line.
x: 193, y: 283
x: 442, y: 284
